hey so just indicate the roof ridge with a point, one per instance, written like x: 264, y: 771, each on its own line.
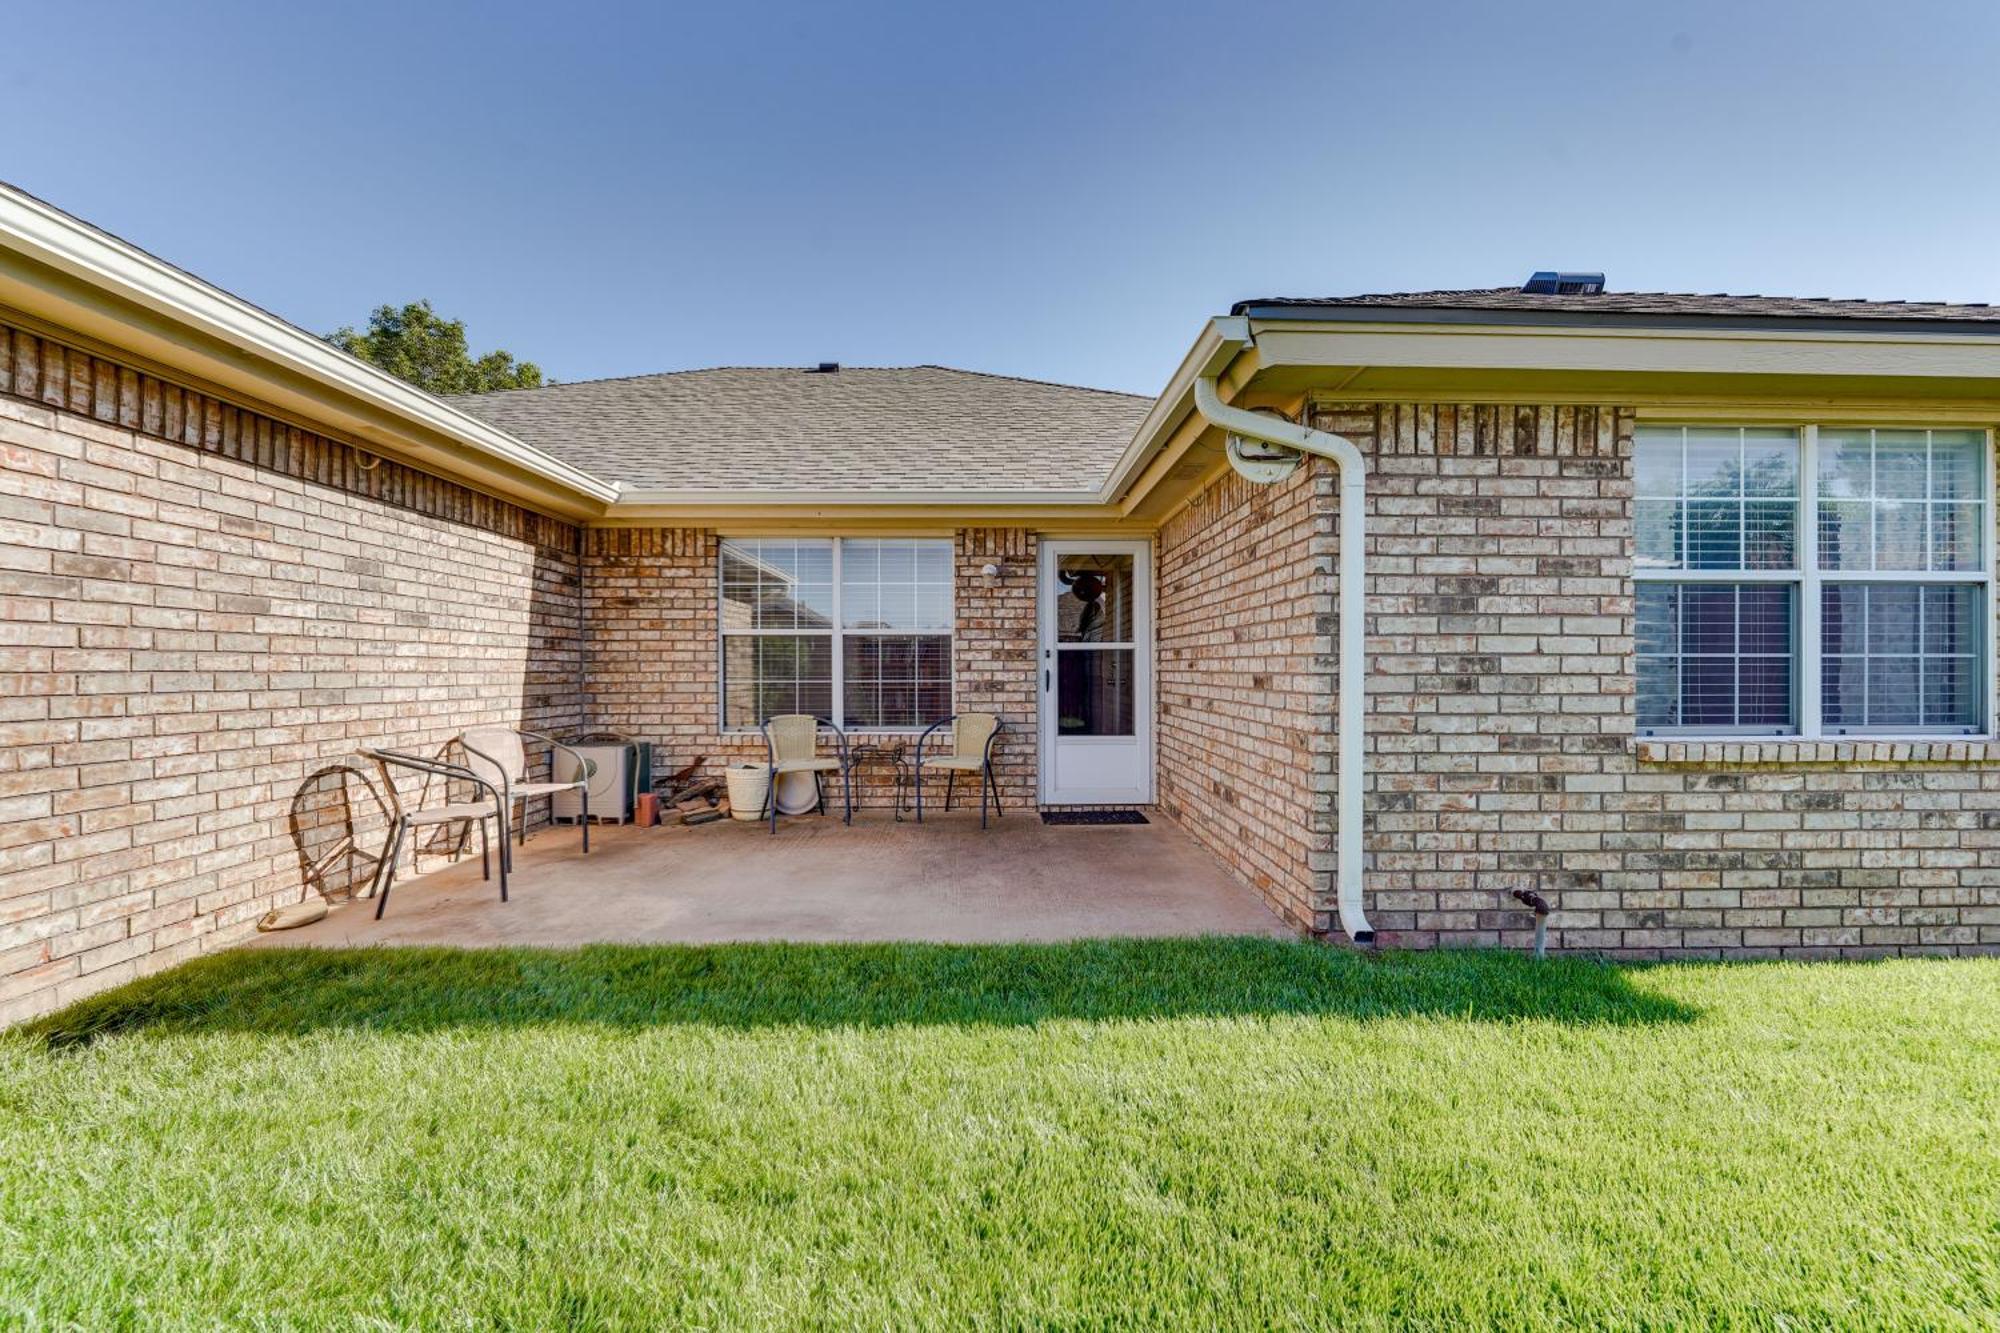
x: 1028, y: 379
x: 801, y: 370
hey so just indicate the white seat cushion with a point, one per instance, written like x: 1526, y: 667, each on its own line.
x: 952, y: 761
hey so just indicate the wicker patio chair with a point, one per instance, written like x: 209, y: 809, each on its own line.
x: 791, y: 745
x: 972, y: 738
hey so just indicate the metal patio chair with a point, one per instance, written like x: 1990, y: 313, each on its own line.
x: 500, y: 756
x: 492, y: 806
x: 972, y: 737
x: 791, y: 745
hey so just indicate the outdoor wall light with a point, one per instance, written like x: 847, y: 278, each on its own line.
x: 990, y: 572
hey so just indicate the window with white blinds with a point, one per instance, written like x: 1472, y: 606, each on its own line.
x: 1812, y: 581
x: 854, y: 630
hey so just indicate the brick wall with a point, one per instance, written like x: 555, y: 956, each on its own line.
x: 1501, y: 723
x: 1245, y: 682
x: 650, y: 607
x: 199, y: 609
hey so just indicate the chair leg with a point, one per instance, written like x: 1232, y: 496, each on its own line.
x: 982, y: 798
x: 485, y: 866
x: 917, y: 781
x: 819, y: 790
x: 583, y: 794
x: 847, y: 794
x: 950, y: 781
x: 382, y: 861
x: 994, y: 778
x: 771, y: 800
x: 395, y: 854
x: 506, y: 862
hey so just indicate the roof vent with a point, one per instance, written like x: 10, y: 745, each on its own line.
x: 1548, y: 283
x: 824, y: 368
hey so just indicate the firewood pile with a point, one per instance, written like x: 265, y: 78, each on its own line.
x: 686, y: 797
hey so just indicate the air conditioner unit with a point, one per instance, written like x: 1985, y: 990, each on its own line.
x: 610, y: 786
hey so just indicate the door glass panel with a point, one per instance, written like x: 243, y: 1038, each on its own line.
x: 1094, y: 601
x: 1094, y: 692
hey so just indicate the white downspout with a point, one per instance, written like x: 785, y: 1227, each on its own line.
x: 1240, y: 424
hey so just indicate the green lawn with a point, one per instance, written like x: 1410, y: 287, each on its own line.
x: 1205, y: 1133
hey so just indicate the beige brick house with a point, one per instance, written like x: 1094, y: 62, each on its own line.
x: 1678, y: 610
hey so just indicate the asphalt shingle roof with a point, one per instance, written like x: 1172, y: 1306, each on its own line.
x: 1645, y: 303
x: 909, y: 428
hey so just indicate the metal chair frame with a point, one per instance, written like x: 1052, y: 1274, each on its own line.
x: 404, y: 820
x: 587, y: 767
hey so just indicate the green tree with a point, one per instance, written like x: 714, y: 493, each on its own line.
x: 415, y: 344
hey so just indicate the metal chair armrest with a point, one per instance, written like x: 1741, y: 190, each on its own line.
x: 435, y: 767
x: 921, y: 740
x: 839, y: 737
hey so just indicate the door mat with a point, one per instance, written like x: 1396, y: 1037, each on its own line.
x: 1093, y: 817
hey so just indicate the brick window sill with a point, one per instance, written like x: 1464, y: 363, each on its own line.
x: 1758, y: 753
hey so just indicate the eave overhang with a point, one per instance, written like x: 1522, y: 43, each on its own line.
x: 64, y: 277
x: 1767, y: 368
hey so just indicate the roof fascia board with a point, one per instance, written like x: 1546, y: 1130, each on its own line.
x: 1628, y: 319
x: 75, y: 276
x: 1214, y: 348
x: 1689, y: 351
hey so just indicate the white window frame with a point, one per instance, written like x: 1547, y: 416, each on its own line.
x: 1810, y: 580
x: 835, y: 633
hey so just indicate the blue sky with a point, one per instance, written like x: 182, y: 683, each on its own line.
x: 1062, y: 191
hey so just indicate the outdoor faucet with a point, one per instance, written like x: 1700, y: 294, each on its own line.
x: 1529, y: 898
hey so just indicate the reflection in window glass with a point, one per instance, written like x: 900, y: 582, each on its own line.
x: 1094, y: 601
x: 1717, y: 498
x: 1894, y: 500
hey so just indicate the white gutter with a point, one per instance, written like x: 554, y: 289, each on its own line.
x: 1353, y: 712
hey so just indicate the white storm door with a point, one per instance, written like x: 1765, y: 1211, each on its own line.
x: 1096, y: 612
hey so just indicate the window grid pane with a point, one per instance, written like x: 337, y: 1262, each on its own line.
x: 1901, y: 500
x: 1717, y: 656
x: 1717, y: 498
x: 1901, y: 657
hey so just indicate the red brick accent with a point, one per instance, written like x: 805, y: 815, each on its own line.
x: 202, y: 607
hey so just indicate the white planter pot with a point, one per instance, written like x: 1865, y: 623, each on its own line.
x: 748, y: 784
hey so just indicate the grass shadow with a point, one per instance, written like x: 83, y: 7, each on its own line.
x: 295, y: 991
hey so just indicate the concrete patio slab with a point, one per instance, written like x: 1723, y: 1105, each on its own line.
x: 817, y: 881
